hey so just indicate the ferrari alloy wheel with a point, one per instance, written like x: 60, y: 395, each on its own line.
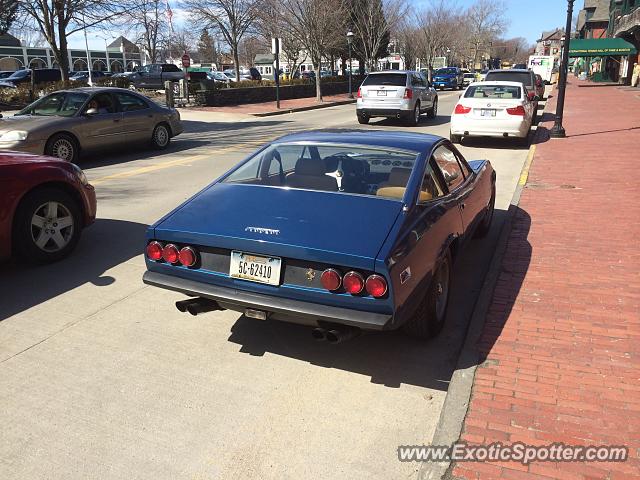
x: 433, y: 111
x: 430, y: 316
x: 47, y: 225
x: 161, y: 137
x: 62, y: 146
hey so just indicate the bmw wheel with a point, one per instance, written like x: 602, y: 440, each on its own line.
x: 62, y: 146
x: 431, y: 314
x: 47, y: 226
x: 161, y: 137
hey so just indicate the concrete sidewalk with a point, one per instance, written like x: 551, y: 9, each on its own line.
x: 286, y: 106
x: 560, y: 348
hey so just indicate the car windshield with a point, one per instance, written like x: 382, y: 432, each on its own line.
x: 355, y: 169
x: 393, y: 79
x: 506, y: 76
x: 61, y: 104
x: 19, y: 74
x: 446, y: 71
x: 493, y: 91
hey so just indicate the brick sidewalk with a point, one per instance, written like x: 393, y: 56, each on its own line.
x: 561, y: 342
x: 285, y: 105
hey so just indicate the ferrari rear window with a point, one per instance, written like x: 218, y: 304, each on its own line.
x: 493, y: 91
x: 343, y: 168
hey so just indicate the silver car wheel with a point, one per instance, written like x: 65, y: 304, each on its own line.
x: 161, y: 136
x: 63, y: 149
x: 52, y: 227
x: 417, y: 113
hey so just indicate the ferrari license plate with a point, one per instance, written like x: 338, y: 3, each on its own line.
x: 382, y: 93
x: 255, y: 268
x: 487, y: 112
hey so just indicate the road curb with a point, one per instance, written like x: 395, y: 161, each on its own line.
x: 303, y: 109
x: 456, y: 403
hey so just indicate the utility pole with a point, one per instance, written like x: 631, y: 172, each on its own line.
x: 349, y: 40
x: 558, y: 130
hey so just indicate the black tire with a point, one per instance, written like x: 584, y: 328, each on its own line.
x: 161, y: 137
x: 429, y: 318
x: 455, y: 138
x: 63, y: 146
x: 433, y: 111
x: 363, y: 119
x: 413, y: 118
x: 485, y: 224
x: 36, y: 218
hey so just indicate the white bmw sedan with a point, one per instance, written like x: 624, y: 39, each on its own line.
x: 493, y: 109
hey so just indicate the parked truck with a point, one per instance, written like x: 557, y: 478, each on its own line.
x: 153, y: 75
x: 542, y: 65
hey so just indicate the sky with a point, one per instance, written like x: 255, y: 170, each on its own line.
x: 523, y: 22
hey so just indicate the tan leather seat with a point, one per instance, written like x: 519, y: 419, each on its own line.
x: 398, y: 177
x: 311, y: 174
x: 398, y: 193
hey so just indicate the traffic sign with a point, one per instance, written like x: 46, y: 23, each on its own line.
x: 186, y: 61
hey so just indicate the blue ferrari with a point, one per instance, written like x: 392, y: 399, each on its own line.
x: 341, y: 230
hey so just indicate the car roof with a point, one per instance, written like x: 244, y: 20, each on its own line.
x: 511, y: 70
x: 392, y: 71
x: 98, y: 90
x: 499, y: 82
x: 377, y: 138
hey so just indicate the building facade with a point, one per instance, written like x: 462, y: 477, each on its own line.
x: 550, y: 43
x: 117, y: 57
x: 593, y: 19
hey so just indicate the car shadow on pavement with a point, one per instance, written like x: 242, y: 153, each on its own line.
x: 388, y: 358
x: 502, y: 288
x: 495, y: 143
x: 104, y: 245
x: 424, y: 122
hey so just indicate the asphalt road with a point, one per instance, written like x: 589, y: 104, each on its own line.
x: 101, y: 377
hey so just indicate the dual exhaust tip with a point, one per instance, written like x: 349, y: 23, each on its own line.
x: 196, y: 306
x: 335, y: 334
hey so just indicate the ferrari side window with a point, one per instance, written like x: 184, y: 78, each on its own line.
x: 430, y: 187
x: 448, y: 163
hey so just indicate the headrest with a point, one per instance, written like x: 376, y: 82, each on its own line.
x: 307, y: 166
x: 399, y: 176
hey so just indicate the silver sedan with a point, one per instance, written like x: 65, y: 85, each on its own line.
x: 65, y: 123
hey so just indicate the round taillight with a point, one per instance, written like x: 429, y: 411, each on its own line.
x: 187, y: 257
x: 353, y: 283
x: 170, y: 253
x: 376, y: 286
x: 154, y: 251
x: 331, y: 279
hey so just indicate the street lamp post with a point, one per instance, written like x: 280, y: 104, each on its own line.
x: 558, y: 130
x: 349, y: 41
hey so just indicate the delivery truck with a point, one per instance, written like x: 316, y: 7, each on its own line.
x: 542, y: 65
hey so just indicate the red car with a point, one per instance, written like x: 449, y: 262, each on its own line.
x: 44, y: 205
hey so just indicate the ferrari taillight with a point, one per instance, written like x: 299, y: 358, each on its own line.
x: 353, y: 283
x: 187, y: 256
x: 376, y: 286
x: 170, y: 253
x: 331, y: 279
x: 154, y: 251
x: 461, y: 109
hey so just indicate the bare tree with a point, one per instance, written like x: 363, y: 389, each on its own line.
x: 316, y: 24
x: 405, y: 36
x: 232, y: 19
x: 372, y: 20
x: 437, y: 27
x: 249, y: 47
x: 148, y: 18
x: 513, y: 50
x: 486, y: 21
x: 8, y: 13
x: 58, y: 19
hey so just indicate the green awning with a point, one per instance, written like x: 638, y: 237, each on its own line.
x: 600, y: 47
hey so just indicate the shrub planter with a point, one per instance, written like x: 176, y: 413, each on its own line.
x: 237, y: 96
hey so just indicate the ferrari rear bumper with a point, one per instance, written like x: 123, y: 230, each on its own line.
x: 293, y: 311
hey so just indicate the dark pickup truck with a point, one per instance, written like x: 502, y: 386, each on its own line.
x: 154, y: 75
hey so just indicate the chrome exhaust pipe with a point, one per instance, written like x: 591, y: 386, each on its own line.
x: 319, y: 334
x: 341, y: 334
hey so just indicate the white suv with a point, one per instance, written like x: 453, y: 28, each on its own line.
x: 396, y: 94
